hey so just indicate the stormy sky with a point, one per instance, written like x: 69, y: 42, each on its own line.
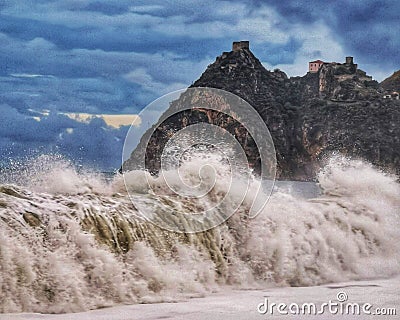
x: 114, y: 57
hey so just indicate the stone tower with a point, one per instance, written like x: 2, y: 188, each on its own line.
x: 349, y: 60
x: 239, y: 45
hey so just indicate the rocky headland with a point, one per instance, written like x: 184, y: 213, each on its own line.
x: 336, y: 109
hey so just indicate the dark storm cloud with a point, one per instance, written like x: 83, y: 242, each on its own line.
x: 90, y: 95
x: 82, y: 80
x: 87, y: 143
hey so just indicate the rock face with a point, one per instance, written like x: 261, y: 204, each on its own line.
x: 337, y: 109
x: 344, y: 82
x: 392, y: 83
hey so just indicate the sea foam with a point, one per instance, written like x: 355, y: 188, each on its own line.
x: 71, y: 241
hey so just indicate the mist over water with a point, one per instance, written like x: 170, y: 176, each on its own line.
x: 71, y: 240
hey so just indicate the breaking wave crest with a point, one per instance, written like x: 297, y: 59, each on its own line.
x: 72, y: 241
x: 54, y: 174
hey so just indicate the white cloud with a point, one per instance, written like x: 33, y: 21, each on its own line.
x: 314, y: 38
x: 28, y: 75
x: 259, y: 26
x: 141, y: 77
x: 112, y: 120
x: 146, y: 8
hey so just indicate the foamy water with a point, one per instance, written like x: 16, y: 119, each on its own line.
x: 72, y: 241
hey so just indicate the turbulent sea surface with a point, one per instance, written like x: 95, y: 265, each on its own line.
x: 72, y: 241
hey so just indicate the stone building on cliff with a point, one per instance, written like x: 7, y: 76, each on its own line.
x: 313, y: 66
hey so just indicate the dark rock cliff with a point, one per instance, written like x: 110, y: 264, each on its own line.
x: 338, y: 109
x: 392, y: 83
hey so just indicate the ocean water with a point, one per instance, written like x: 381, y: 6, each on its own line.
x: 71, y: 240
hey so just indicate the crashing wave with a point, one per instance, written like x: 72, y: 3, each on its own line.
x: 71, y: 241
